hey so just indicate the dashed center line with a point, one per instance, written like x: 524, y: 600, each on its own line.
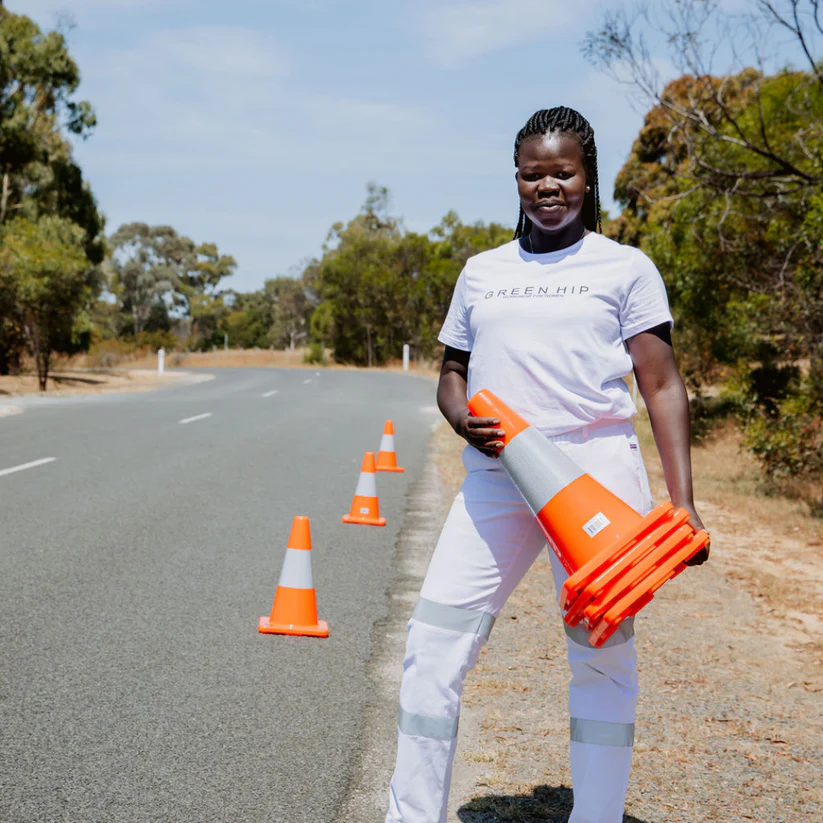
x: 196, y: 417
x: 270, y: 393
x: 24, y: 466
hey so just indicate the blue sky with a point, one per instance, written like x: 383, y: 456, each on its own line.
x: 256, y: 125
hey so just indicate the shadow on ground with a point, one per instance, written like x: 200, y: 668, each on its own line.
x: 546, y: 804
x: 70, y: 381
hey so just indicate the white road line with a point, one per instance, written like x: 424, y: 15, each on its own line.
x: 270, y: 393
x: 196, y: 417
x: 308, y: 380
x: 25, y: 466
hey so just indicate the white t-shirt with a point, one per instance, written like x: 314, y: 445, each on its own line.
x: 546, y: 332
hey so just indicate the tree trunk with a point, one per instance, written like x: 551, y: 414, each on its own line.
x: 41, y: 357
x: 4, y: 196
x: 369, y: 354
x: 43, y: 361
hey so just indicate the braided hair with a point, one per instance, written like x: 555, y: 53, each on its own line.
x: 561, y: 118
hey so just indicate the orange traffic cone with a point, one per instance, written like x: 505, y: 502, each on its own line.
x: 365, y: 508
x: 295, y: 604
x: 387, y: 457
x: 615, y: 558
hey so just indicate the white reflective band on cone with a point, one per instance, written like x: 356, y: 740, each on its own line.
x: 296, y: 572
x: 387, y: 443
x: 602, y: 733
x: 437, y: 728
x: 538, y: 468
x: 366, y: 485
x: 469, y: 621
x: 580, y: 634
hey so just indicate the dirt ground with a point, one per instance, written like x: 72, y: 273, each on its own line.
x: 730, y: 720
x: 67, y: 382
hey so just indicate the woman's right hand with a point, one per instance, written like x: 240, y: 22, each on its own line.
x: 481, y: 432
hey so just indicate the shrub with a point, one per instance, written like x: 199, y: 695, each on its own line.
x: 785, y: 434
x: 315, y: 354
x: 709, y: 413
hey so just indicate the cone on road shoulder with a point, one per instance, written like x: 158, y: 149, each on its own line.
x: 387, y: 456
x: 365, y: 509
x: 295, y: 602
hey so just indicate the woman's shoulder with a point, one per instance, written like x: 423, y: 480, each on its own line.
x: 504, y: 253
x: 605, y: 245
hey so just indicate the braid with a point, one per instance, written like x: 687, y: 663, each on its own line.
x: 562, y: 118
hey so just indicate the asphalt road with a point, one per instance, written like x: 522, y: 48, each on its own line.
x: 134, y: 685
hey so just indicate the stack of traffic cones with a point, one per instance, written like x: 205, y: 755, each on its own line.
x: 615, y: 558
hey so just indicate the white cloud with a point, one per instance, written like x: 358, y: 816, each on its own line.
x: 459, y: 31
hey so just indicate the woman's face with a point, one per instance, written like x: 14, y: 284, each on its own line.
x: 551, y: 180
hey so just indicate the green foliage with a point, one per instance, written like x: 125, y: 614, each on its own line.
x: 290, y: 308
x: 741, y: 253
x: 153, y: 268
x: 37, y: 174
x: 48, y: 282
x: 40, y: 181
x: 246, y: 330
x: 315, y: 354
x: 380, y: 286
x: 724, y: 189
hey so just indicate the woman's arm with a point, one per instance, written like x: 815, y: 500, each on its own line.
x: 451, y: 398
x: 665, y: 397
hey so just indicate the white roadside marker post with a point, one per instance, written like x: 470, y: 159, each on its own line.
x: 405, y: 357
x: 161, y: 361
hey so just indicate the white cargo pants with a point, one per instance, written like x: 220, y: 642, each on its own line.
x: 489, y: 541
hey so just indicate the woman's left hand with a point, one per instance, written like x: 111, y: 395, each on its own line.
x: 697, y: 524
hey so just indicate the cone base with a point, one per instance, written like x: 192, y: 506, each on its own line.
x: 364, y: 521
x: 265, y: 626
x: 389, y: 469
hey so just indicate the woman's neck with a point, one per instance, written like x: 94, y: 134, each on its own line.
x: 542, y: 242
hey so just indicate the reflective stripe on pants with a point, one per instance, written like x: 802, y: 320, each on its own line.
x: 489, y: 541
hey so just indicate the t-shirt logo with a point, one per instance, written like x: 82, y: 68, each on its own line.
x: 536, y: 291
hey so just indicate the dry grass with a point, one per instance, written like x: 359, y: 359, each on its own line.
x: 83, y: 374
x: 730, y: 719
x: 240, y: 359
x: 67, y: 382
x: 231, y: 359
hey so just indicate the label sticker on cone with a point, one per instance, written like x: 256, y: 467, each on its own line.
x: 596, y: 524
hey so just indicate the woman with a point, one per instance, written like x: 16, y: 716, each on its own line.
x: 550, y: 322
